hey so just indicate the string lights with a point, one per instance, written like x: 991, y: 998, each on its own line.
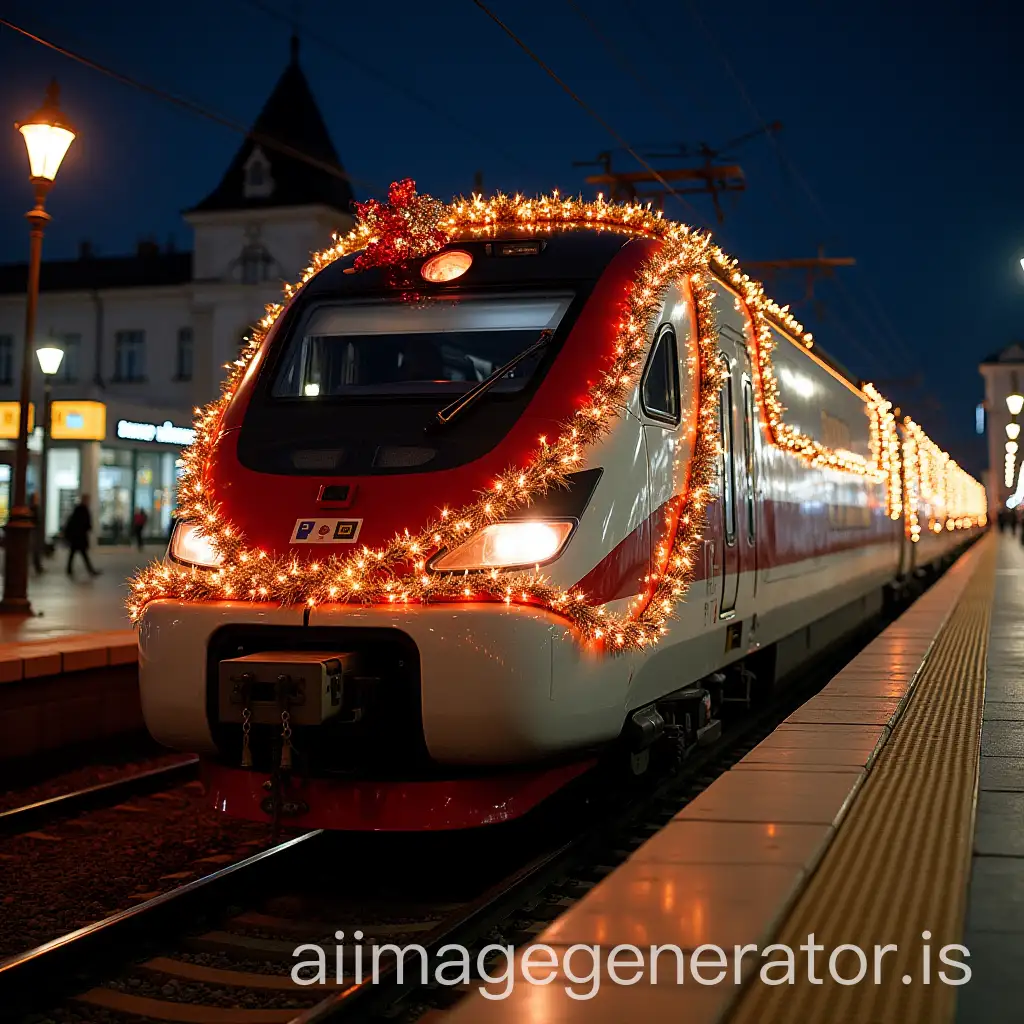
x: 936, y: 489
x: 885, y: 448
x: 414, y: 226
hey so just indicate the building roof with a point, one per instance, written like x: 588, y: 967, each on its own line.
x: 291, y: 137
x: 1011, y: 354
x: 147, y: 269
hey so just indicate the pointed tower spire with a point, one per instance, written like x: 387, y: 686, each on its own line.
x: 263, y: 175
x: 296, y: 21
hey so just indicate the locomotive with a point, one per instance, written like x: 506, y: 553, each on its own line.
x: 503, y: 489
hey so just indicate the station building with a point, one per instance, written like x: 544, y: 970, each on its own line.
x: 1004, y: 413
x: 146, y: 335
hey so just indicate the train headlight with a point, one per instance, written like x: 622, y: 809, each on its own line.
x: 188, y: 546
x: 508, y: 546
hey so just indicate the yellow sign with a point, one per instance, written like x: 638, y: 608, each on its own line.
x: 78, y: 421
x: 10, y: 413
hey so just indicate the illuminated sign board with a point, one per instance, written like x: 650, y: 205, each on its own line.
x: 162, y: 433
x: 78, y: 421
x: 10, y: 413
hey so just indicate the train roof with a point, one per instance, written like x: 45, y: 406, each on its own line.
x: 509, y: 256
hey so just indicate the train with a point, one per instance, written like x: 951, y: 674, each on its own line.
x: 508, y: 488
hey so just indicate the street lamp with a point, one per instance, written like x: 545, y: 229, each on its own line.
x: 47, y: 135
x: 1015, y: 403
x: 50, y: 358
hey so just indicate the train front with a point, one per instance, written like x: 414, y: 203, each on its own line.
x: 374, y: 405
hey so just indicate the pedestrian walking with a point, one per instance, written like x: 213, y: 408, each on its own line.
x: 139, y: 521
x: 37, y: 530
x: 76, y: 533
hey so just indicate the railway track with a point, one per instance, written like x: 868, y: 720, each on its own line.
x: 221, y: 949
x: 106, y: 794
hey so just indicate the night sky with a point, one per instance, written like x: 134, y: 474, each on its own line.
x: 901, y: 143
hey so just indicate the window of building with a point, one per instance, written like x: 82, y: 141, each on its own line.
x: 70, y: 365
x: 183, y: 358
x: 660, y: 392
x: 130, y: 356
x: 256, y: 264
x: 6, y: 359
x: 258, y: 182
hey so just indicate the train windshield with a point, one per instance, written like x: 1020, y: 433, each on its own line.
x: 434, y: 346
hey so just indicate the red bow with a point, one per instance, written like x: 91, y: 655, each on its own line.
x: 405, y: 228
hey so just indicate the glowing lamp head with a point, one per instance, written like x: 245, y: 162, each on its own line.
x: 48, y: 135
x: 1015, y: 403
x: 50, y: 359
x: 1013, y: 431
x: 446, y: 266
x: 191, y: 547
x: 508, y: 545
x: 522, y: 543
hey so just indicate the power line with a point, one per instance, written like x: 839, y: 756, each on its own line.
x: 394, y: 84
x: 191, y: 107
x: 604, y: 124
x: 792, y: 170
x: 623, y: 62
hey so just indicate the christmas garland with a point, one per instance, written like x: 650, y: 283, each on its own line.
x: 412, y: 226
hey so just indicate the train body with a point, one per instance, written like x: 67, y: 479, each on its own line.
x: 409, y: 712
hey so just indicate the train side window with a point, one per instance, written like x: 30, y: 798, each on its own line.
x: 659, y: 391
x: 750, y: 453
x: 728, y: 469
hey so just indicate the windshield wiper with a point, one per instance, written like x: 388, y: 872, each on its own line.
x: 445, y: 416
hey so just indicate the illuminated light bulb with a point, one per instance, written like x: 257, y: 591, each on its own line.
x: 1015, y: 403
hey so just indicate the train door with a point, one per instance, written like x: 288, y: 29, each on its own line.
x: 727, y: 490
x: 749, y: 559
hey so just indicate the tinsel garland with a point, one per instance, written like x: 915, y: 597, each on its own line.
x: 396, y: 573
x: 885, y: 449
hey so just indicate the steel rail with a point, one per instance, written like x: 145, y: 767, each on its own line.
x: 41, y: 977
x: 19, y: 819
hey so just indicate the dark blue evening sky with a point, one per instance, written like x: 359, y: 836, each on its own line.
x: 901, y: 143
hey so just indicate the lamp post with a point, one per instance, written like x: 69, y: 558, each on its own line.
x: 47, y: 135
x: 50, y: 358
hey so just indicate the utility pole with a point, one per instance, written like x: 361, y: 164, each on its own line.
x: 709, y: 177
x: 625, y: 186
x: 820, y: 266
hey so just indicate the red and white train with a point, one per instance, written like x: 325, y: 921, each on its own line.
x: 442, y: 714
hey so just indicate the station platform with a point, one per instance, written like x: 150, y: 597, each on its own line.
x: 79, y: 604
x: 874, y: 840
x: 69, y: 673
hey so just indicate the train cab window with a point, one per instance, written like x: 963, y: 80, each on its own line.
x: 659, y: 393
x: 749, y: 450
x: 727, y: 467
x: 443, y: 346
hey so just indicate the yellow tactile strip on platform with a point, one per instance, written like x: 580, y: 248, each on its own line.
x: 899, y: 865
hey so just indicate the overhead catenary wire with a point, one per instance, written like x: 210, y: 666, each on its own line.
x: 191, y: 106
x: 651, y: 91
x: 590, y: 110
x: 790, y: 166
x: 391, y: 81
x: 870, y: 354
